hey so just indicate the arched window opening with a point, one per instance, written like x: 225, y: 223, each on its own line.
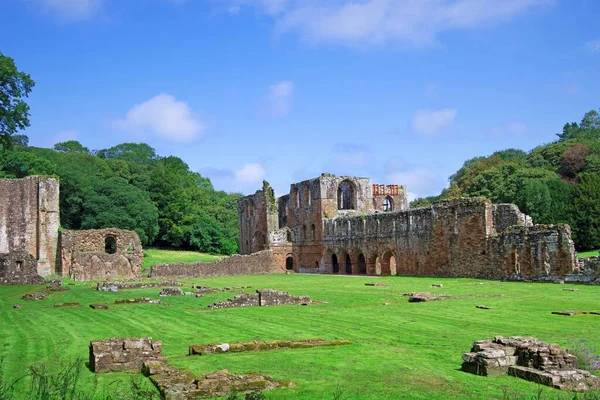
x: 346, y: 196
x: 249, y: 208
x: 388, y: 204
x: 289, y: 236
x: 312, y: 232
x: 289, y: 263
x: 362, y: 265
x: 334, y: 264
x: 348, y: 265
x: 306, y: 195
x: 110, y: 245
x: 295, y: 202
x: 304, y: 232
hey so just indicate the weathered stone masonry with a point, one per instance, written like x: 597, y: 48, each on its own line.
x: 29, y: 219
x: 346, y: 225
x: 29, y: 230
x: 97, y: 254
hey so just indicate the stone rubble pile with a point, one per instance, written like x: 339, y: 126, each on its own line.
x: 146, y: 300
x: 216, y: 348
x: 169, y: 291
x: 263, y: 298
x: 528, y: 358
x: 123, y: 354
x: 115, y: 286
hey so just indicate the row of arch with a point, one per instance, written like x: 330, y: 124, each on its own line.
x: 343, y: 263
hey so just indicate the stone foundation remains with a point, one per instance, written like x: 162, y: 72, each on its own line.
x: 173, y: 383
x: 528, y: 358
x: 263, y: 298
x: 264, y: 262
x: 101, y: 254
x: 19, y: 268
x: 123, y: 354
x: 116, y: 286
x: 217, y: 348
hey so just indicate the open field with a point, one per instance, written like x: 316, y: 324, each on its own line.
x: 399, y: 350
x: 591, y: 253
x: 161, y: 256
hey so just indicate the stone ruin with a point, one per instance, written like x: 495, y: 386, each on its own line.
x: 118, y: 354
x: 217, y: 348
x: 101, y: 254
x: 530, y: 359
x: 145, y: 355
x: 263, y: 298
x: 116, y: 286
x: 18, y: 267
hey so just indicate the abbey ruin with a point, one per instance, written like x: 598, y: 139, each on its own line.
x: 32, y: 244
x: 347, y: 225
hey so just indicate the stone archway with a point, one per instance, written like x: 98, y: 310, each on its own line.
x: 289, y: 263
x: 388, y: 263
x: 348, y: 264
x: 362, y: 264
x: 335, y: 265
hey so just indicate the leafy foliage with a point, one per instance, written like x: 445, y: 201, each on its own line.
x: 14, y: 112
x: 557, y: 182
x: 129, y: 186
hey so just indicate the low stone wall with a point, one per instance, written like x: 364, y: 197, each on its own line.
x: 216, y: 348
x: 263, y: 298
x: 588, y: 272
x: 262, y: 262
x: 528, y: 358
x: 84, y: 254
x: 115, y: 286
x: 18, y: 267
x: 123, y: 354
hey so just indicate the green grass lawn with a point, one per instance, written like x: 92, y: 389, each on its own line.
x: 591, y: 253
x: 159, y: 256
x: 398, y: 350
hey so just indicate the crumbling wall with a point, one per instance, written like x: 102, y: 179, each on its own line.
x: 262, y: 262
x: 507, y: 215
x: 84, y: 254
x: 29, y: 219
x: 19, y: 268
x: 123, y: 354
x: 455, y: 238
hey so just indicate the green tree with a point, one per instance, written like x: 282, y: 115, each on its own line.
x: 139, y: 153
x: 18, y: 164
x: 14, y: 112
x: 587, y: 214
x: 115, y: 203
x: 71, y: 146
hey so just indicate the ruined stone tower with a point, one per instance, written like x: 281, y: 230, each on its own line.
x: 29, y: 219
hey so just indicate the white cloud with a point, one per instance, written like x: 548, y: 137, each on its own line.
x: 593, y: 47
x: 419, y: 181
x: 416, y: 22
x: 72, y: 10
x: 164, y: 116
x: 279, y: 100
x: 432, y: 122
x: 64, y: 136
x: 250, y: 174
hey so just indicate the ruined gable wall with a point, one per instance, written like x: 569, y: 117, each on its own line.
x: 83, y: 255
x: 19, y: 268
x: 255, y: 219
x: 263, y: 262
x: 30, y: 218
x: 456, y: 238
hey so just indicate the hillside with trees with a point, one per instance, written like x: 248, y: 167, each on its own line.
x: 558, y: 182
x: 129, y: 186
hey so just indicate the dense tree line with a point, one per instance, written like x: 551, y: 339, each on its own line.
x: 558, y: 182
x: 129, y: 186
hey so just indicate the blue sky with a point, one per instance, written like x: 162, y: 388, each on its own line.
x: 401, y: 91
